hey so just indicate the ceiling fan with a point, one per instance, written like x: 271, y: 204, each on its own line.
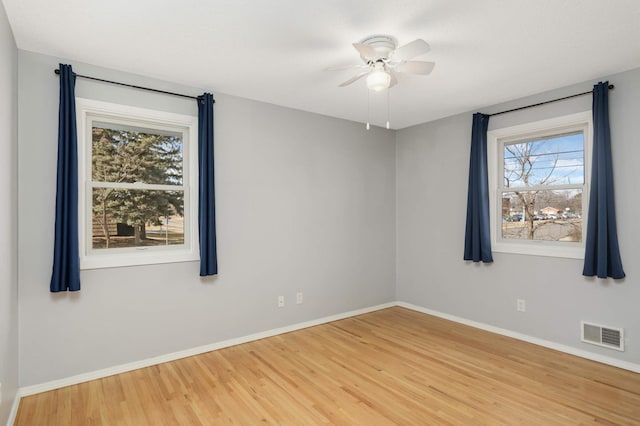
x: 383, y: 60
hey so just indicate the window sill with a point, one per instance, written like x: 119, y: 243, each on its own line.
x: 534, y: 248
x: 136, y: 258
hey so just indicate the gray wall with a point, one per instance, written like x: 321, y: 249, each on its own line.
x: 8, y: 216
x: 304, y: 203
x: 432, y: 171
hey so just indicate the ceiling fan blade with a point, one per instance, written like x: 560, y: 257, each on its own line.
x: 346, y: 67
x: 354, y: 78
x: 366, y: 51
x: 415, y: 67
x: 411, y: 50
x: 394, y: 78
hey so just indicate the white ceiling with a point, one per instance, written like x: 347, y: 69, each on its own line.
x: 486, y: 51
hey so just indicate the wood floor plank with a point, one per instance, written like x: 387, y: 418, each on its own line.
x: 389, y: 367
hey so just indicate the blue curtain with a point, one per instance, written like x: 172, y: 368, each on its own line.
x: 477, y: 240
x: 66, y: 254
x: 602, y: 255
x: 206, y: 195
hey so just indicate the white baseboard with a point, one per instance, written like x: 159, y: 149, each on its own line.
x: 14, y: 409
x: 536, y: 341
x: 123, y: 368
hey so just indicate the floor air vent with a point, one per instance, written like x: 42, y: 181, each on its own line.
x: 609, y: 337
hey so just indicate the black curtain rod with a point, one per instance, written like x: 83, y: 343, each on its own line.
x: 57, y: 71
x: 611, y: 86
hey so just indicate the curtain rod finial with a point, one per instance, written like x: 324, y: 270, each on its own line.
x: 56, y: 71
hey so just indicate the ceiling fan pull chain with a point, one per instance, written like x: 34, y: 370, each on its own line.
x: 388, y: 124
x: 368, y: 109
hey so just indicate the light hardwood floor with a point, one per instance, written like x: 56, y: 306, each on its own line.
x: 393, y: 366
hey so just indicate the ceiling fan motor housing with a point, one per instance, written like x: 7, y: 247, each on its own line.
x: 382, y: 44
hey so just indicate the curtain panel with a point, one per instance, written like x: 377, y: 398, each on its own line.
x: 477, y: 241
x: 602, y: 254
x: 206, y: 188
x: 66, y: 252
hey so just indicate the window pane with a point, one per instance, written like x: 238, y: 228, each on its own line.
x: 550, y: 215
x: 556, y: 160
x: 129, y: 155
x: 137, y: 218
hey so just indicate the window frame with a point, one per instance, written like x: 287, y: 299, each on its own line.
x: 88, y: 111
x: 496, y: 140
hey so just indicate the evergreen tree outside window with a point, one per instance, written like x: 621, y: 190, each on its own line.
x: 136, y: 203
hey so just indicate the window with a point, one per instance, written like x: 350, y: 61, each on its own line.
x: 538, y: 176
x: 137, y: 185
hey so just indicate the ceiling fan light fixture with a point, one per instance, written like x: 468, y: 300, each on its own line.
x: 382, y: 61
x: 378, y: 79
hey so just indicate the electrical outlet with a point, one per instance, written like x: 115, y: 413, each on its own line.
x: 280, y: 301
x: 299, y: 299
x: 521, y: 305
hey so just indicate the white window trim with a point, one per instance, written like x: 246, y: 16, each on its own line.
x: 495, y: 138
x: 88, y: 110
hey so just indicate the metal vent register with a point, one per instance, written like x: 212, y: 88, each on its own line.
x: 608, y: 337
